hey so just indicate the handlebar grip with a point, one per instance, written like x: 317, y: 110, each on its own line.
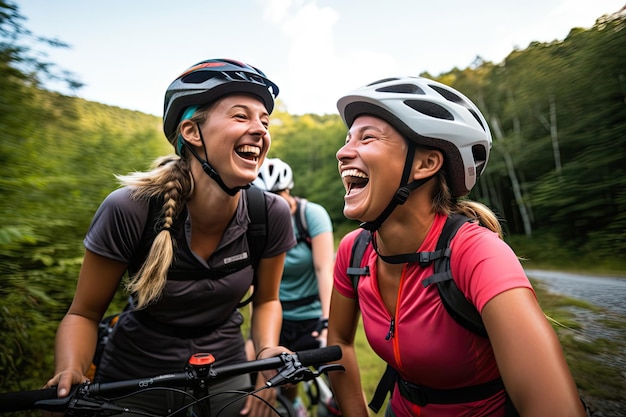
x: 319, y: 356
x: 25, y: 400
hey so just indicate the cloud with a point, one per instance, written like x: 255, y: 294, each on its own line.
x: 317, y: 74
x: 308, y: 31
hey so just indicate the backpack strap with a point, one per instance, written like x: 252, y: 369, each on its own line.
x: 355, y: 271
x: 301, y: 224
x: 384, y: 387
x: 453, y: 299
x: 153, y: 223
x: 256, y: 233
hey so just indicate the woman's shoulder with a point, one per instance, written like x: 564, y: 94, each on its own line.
x: 315, y: 209
x: 123, y: 200
x: 276, y: 205
x: 117, y: 225
x: 120, y: 196
x: 347, y: 241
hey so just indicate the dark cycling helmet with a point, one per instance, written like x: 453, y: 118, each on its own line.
x: 431, y: 114
x: 209, y: 80
x: 274, y: 175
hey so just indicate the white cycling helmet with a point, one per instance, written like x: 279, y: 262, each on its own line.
x: 274, y: 175
x: 432, y: 114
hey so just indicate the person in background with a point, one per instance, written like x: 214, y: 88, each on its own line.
x: 307, y: 276
x: 216, y: 116
x: 434, y: 143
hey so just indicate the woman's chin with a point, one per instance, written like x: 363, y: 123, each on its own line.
x: 352, y: 213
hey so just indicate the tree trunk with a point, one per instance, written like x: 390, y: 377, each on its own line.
x: 517, y: 191
x: 554, y: 136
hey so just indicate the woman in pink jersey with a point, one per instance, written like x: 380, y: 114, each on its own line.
x: 434, y: 142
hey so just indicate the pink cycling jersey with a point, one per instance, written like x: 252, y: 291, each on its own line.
x: 427, y: 346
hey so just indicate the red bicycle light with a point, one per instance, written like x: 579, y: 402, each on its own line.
x: 201, y: 359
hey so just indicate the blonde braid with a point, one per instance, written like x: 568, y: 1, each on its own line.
x: 171, y: 178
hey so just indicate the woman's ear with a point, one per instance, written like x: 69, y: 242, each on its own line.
x: 427, y: 163
x: 189, y: 131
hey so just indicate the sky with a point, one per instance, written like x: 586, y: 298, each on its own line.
x: 126, y: 52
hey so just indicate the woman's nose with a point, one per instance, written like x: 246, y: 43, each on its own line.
x: 345, y: 152
x: 258, y: 127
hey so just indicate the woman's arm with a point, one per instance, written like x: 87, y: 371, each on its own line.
x: 343, y: 320
x: 530, y: 357
x: 267, y: 312
x: 266, y: 322
x: 323, y: 250
x: 76, y: 336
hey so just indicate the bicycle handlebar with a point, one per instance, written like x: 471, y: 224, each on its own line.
x: 46, y: 399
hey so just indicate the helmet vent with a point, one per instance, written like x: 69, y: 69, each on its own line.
x: 480, y: 158
x: 384, y: 80
x: 401, y: 88
x: 198, y: 77
x: 449, y: 95
x: 477, y: 118
x: 430, y: 109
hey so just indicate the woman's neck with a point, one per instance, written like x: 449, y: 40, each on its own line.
x: 210, y: 207
x: 406, y: 228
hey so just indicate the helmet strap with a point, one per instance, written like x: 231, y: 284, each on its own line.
x: 209, y: 170
x: 402, y: 194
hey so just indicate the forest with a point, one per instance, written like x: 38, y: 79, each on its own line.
x: 556, y: 174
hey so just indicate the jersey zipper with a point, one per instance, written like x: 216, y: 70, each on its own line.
x: 392, y: 327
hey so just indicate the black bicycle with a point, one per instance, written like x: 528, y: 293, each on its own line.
x: 102, y: 399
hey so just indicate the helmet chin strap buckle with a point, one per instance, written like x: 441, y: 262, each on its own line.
x: 208, y: 169
x: 402, y: 195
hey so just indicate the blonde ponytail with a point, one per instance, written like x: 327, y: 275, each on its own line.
x: 443, y: 203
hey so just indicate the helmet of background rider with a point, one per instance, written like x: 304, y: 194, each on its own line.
x: 274, y: 175
x: 430, y: 114
x: 206, y: 82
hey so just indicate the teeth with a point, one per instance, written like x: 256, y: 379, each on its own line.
x: 353, y: 173
x: 254, y: 150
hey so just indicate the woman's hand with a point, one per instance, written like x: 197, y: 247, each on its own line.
x: 255, y: 407
x: 321, y: 332
x: 64, y: 381
x: 271, y: 352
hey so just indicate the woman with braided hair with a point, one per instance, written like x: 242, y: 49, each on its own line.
x: 180, y: 232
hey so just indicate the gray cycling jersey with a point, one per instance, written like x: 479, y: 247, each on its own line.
x: 197, y: 311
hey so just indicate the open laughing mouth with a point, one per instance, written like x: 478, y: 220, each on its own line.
x: 354, y: 180
x: 249, y: 152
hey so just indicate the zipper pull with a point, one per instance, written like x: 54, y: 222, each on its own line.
x: 392, y: 327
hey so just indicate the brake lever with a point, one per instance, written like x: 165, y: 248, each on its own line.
x: 325, y: 369
x: 78, y: 399
x: 292, y: 372
x: 295, y: 372
x: 102, y: 408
